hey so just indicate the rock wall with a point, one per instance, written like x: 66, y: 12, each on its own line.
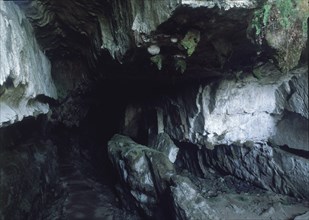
x: 25, y: 71
x: 237, y: 111
x: 161, y: 190
x: 28, y: 164
x: 149, y: 177
x: 237, y: 126
x: 267, y: 167
x: 28, y: 174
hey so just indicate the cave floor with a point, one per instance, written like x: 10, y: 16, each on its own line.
x: 83, y: 196
x: 234, y: 199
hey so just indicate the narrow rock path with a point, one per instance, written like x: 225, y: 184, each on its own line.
x: 83, y: 197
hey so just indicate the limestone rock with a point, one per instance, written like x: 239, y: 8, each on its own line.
x: 26, y: 175
x: 260, y: 164
x: 119, y: 27
x: 282, y: 26
x: 25, y: 70
x: 144, y: 171
x: 236, y: 111
x: 302, y: 217
x: 188, y: 202
x: 162, y: 142
x: 224, y: 4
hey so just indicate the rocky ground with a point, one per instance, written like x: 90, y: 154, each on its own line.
x: 85, y: 197
x: 232, y: 198
x: 82, y: 196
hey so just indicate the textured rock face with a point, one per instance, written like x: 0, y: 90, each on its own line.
x: 282, y: 25
x: 162, y: 142
x: 25, y: 70
x: 127, y: 30
x: 145, y: 171
x: 154, y: 184
x: 152, y: 181
x: 237, y: 111
x: 267, y: 167
x: 26, y: 174
x: 234, y: 121
x: 188, y: 201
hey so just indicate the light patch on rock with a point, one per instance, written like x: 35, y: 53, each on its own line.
x: 172, y: 156
x: 148, y: 180
x: 140, y: 164
x: 139, y: 196
x: 153, y: 49
x: 224, y: 4
x: 237, y: 111
x: 25, y: 71
x: 305, y: 216
x: 174, y: 40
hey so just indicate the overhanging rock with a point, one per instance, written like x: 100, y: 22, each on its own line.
x: 235, y: 111
x: 25, y: 70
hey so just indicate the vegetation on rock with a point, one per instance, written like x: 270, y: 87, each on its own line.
x: 190, y: 41
x: 157, y: 60
x: 282, y: 24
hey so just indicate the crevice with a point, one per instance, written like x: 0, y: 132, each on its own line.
x: 298, y: 152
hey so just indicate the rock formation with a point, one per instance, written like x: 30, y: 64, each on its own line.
x: 25, y: 73
x: 141, y: 109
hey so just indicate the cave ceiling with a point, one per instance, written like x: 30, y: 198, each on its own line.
x: 192, y: 38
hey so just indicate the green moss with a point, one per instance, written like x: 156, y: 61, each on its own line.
x: 266, y: 12
x: 181, y: 65
x: 157, y: 60
x: 261, y: 18
x: 305, y: 27
x: 257, y: 73
x: 190, y: 41
x: 287, y: 12
x: 283, y: 24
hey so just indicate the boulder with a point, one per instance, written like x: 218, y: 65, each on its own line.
x: 145, y: 172
x: 188, y: 202
x: 162, y: 142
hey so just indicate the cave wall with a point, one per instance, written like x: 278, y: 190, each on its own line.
x: 28, y: 162
x: 236, y: 110
x: 25, y: 71
x: 237, y: 126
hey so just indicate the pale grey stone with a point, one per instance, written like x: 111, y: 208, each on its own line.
x: 269, y: 168
x: 305, y: 216
x: 162, y: 142
x: 188, y: 202
x: 145, y: 171
x: 230, y: 111
x: 25, y: 71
